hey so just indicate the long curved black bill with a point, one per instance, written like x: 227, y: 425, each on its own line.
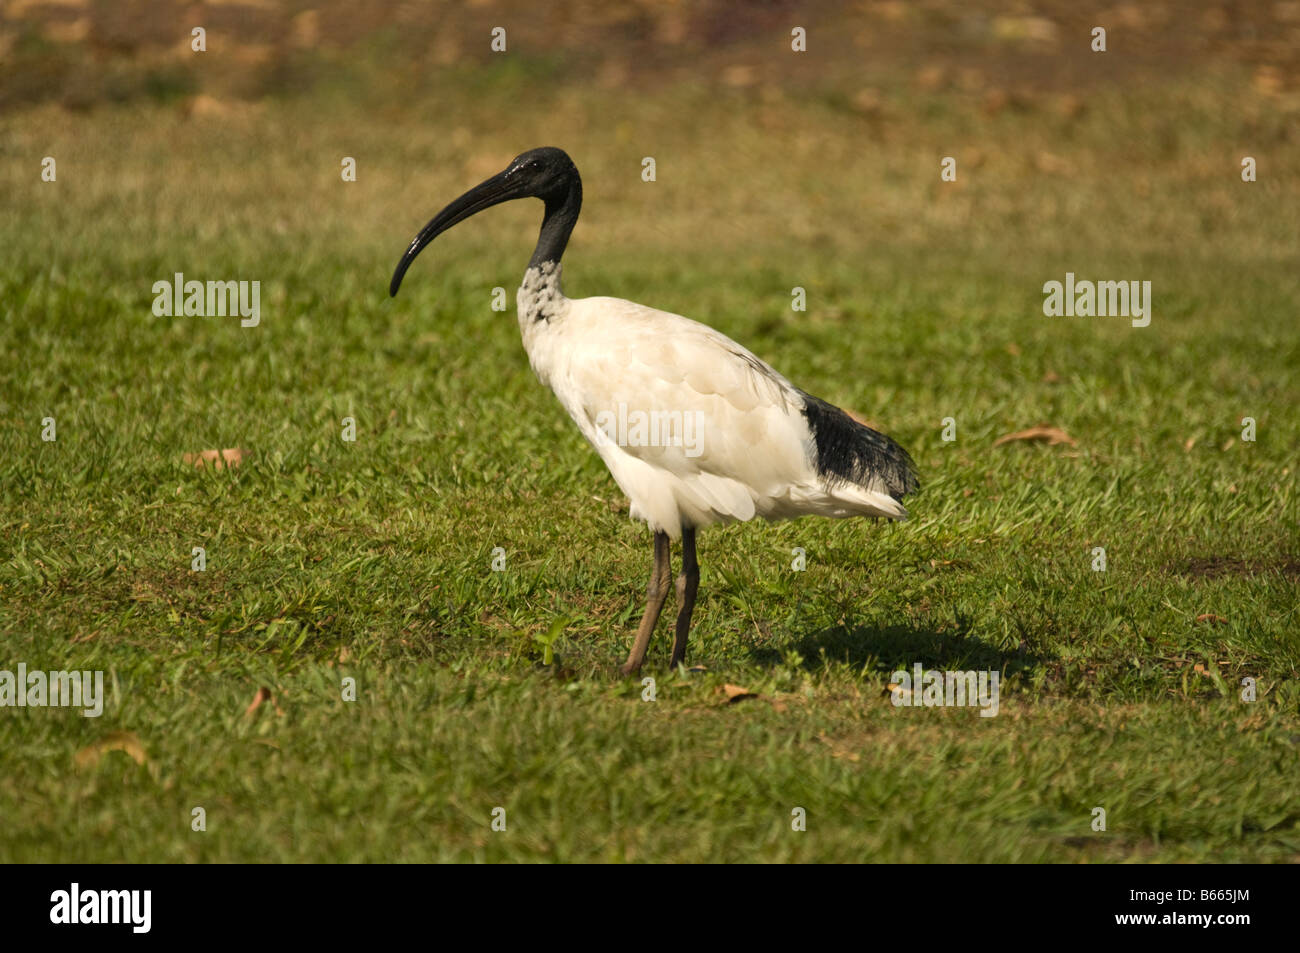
x: 495, y: 190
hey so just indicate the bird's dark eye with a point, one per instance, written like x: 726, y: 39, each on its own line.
x: 535, y: 164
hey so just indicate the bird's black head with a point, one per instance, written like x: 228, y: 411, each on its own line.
x: 544, y: 173
x: 547, y: 173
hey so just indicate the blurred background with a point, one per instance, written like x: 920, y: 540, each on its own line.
x: 1053, y: 141
x: 991, y: 56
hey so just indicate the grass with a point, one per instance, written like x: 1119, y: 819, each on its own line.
x: 372, y: 560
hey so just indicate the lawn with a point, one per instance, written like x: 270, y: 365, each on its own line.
x: 372, y: 559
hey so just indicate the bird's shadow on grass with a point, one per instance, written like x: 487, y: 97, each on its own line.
x: 891, y: 648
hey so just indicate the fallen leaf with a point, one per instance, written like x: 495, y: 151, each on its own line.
x: 125, y: 741
x: 1051, y: 377
x: 1211, y: 617
x: 735, y: 693
x: 1191, y: 442
x: 1053, y: 436
x: 263, y: 695
x: 220, y: 459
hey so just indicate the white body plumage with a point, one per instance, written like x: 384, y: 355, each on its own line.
x: 734, y: 441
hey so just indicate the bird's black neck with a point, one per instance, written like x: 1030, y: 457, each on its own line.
x: 561, y: 215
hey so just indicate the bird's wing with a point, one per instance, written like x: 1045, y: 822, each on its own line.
x: 738, y: 420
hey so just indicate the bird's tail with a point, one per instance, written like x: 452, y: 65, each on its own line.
x: 849, y: 452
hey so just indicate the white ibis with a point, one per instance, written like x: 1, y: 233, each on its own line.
x: 694, y: 428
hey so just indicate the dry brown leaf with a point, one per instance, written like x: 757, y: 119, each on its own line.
x: 125, y: 741
x: 893, y: 689
x: 1053, y: 436
x: 735, y: 693
x: 1211, y: 617
x: 1191, y: 442
x: 1200, y: 669
x: 220, y: 459
x: 263, y: 695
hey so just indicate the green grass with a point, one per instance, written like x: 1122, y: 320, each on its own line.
x: 372, y: 559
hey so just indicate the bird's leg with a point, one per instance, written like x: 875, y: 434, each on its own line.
x: 688, y: 581
x: 655, y: 595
